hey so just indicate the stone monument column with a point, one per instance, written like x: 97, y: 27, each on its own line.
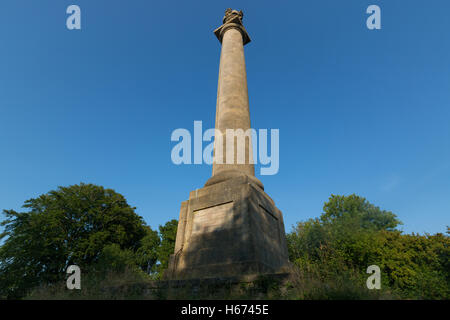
x: 232, y: 109
x: 230, y: 227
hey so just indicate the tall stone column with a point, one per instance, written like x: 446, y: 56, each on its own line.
x: 230, y: 227
x: 232, y: 110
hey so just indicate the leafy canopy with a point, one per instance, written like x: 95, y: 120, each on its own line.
x: 353, y: 234
x: 70, y: 225
x: 357, y: 210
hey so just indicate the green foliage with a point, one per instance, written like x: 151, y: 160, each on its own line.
x: 146, y: 255
x: 126, y: 284
x: 97, y: 230
x: 168, y: 234
x: 352, y: 234
x: 70, y: 225
x: 357, y: 212
x: 416, y: 265
x: 113, y: 258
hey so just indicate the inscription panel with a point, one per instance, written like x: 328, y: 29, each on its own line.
x: 212, y: 219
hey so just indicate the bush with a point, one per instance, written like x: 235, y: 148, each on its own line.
x: 352, y: 234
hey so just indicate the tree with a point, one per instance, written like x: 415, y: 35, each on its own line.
x: 359, y: 211
x: 343, y: 234
x: 147, y: 254
x: 70, y: 225
x: 353, y: 234
x: 168, y: 234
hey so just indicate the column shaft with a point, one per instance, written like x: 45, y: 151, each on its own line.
x: 232, y: 111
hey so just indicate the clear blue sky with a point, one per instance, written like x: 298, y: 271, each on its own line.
x: 359, y: 111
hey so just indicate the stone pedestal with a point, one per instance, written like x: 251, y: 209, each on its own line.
x: 227, y: 229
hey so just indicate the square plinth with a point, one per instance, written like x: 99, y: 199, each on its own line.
x: 227, y: 229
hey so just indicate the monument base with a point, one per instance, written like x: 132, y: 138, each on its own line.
x: 227, y: 229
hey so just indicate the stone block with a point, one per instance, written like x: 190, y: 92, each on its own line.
x: 227, y: 229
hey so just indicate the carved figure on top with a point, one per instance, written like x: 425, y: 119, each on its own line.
x: 232, y: 14
x: 232, y: 19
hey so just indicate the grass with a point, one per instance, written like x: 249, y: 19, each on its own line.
x: 134, y: 285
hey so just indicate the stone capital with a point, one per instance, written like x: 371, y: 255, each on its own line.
x: 232, y: 20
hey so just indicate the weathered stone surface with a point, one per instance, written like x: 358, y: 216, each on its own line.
x: 213, y: 219
x: 232, y: 19
x: 230, y: 226
x: 232, y: 110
